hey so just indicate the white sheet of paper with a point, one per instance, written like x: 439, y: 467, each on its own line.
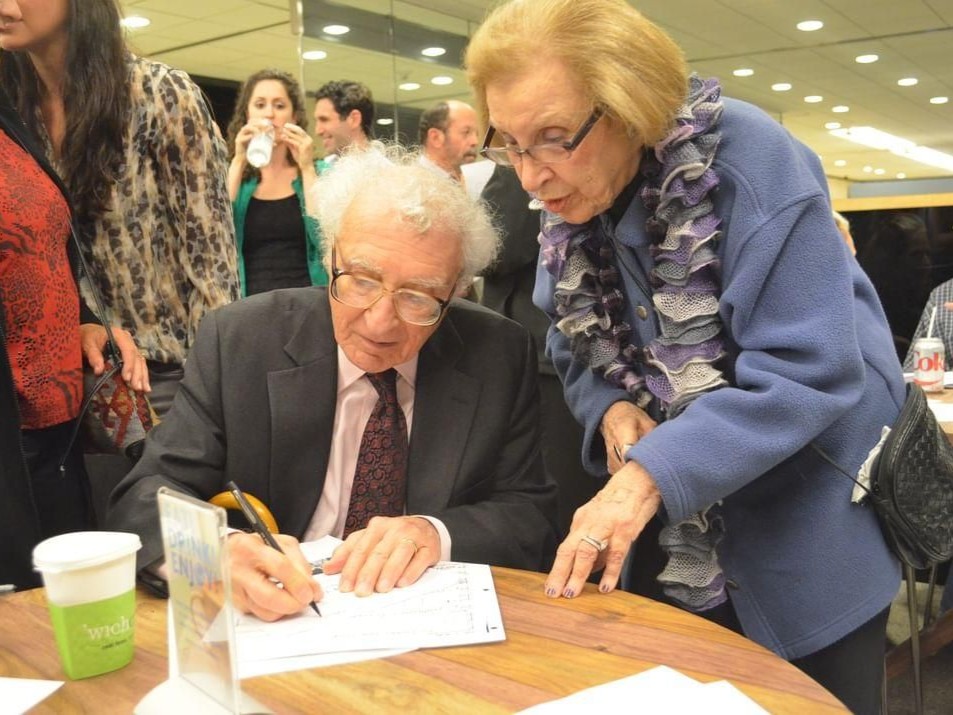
x: 451, y: 604
x: 660, y: 689
x: 20, y: 694
x: 723, y: 697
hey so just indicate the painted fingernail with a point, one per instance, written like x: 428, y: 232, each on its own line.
x: 568, y: 593
x: 551, y: 592
x: 604, y: 588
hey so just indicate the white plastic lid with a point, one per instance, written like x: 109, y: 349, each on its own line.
x: 82, y: 549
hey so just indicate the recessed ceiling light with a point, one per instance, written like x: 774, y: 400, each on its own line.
x: 876, y: 139
x: 335, y: 29
x: 810, y: 25
x: 879, y: 172
x: 840, y: 162
x: 385, y: 121
x: 781, y: 86
x: 313, y: 55
x: 840, y: 109
x: 408, y: 86
x: 939, y: 100
x: 441, y: 79
x: 743, y: 72
x: 832, y: 125
x: 433, y: 51
x: 868, y: 169
x: 813, y: 98
x: 901, y: 175
x: 866, y: 59
x: 907, y: 81
x: 135, y: 22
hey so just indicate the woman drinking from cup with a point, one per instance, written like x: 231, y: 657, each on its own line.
x: 708, y: 327
x: 271, y: 170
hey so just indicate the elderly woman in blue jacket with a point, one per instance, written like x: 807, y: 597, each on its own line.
x: 709, y: 328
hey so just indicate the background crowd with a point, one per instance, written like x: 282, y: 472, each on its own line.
x: 684, y: 320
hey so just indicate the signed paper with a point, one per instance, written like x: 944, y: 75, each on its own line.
x: 451, y: 604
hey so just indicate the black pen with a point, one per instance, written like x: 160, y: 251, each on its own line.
x: 256, y: 523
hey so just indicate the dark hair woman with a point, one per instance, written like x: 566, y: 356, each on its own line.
x: 44, y: 333
x: 278, y: 241
x: 135, y: 144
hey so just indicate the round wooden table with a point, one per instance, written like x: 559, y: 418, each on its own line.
x: 553, y: 648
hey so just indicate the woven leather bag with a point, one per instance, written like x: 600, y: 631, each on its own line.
x: 912, y: 486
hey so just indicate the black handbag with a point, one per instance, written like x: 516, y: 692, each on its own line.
x: 911, y: 485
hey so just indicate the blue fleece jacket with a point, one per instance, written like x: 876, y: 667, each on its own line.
x: 811, y: 359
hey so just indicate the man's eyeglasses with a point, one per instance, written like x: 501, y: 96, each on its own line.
x: 360, y: 290
x: 546, y: 153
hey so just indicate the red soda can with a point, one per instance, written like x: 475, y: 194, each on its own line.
x: 928, y: 360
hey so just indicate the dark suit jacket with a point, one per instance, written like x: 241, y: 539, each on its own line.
x: 257, y: 406
x: 508, y: 284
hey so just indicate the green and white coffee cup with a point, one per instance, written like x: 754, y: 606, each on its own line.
x: 90, y: 579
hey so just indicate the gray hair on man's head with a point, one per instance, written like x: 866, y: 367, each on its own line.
x: 397, y: 183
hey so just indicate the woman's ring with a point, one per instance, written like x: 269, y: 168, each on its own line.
x: 598, y: 545
x: 412, y: 543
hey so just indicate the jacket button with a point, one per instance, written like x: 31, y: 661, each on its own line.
x: 642, y: 312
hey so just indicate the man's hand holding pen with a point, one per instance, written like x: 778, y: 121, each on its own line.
x: 257, y: 570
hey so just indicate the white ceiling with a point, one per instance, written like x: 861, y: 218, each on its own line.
x: 230, y: 39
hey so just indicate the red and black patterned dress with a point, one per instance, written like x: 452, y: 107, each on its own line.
x: 37, y: 292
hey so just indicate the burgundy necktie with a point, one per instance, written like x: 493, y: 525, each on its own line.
x: 380, y: 477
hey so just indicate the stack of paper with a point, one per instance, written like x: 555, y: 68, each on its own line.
x: 451, y: 604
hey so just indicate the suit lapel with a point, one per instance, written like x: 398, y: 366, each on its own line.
x: 302, y: 404
x: 445, y: 404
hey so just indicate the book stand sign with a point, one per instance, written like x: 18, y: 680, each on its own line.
x: 202, y: 672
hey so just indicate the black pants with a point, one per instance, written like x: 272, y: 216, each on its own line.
x: 61, y: 499
x: 165, y: 379
x: 851, y: 669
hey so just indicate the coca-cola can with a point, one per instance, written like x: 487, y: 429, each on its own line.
x: 929, y: 357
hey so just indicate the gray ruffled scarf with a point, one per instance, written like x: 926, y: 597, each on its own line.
x: 680, y: 363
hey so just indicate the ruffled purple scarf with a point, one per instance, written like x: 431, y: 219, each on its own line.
x: 680, y: 363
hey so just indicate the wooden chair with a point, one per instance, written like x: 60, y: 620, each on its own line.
x: 227, y: 501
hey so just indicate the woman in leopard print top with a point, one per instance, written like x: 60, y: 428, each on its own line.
x: 136, y: 145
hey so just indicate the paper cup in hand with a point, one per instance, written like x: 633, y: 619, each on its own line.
x: 90, y: 579
x: 260, y: 146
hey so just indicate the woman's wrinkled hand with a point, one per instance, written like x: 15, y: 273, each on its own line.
x: 602, y: 531
x: 623, y: 425
x: 93, y: 341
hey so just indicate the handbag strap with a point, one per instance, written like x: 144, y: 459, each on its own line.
x: 830, y: 460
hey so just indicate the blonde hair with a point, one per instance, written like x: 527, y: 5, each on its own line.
x: 394, y: 179
x: 626, y: 64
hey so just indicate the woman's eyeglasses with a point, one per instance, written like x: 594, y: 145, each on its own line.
x: 546, y: 153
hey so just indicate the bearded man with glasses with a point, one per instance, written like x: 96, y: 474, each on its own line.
x: 380, y: 409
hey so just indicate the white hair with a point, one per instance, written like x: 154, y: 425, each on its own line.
x: 394, y: 179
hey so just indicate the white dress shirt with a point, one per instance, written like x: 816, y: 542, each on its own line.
x: 356, y: 398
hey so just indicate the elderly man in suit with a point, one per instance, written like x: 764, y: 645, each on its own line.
x: 291, y: 395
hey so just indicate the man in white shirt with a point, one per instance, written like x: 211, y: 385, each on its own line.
x: 448, y: 134
x: 343, y: 115
x: 278, y: 397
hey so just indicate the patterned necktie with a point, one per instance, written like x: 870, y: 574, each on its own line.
x: 380, y: 477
